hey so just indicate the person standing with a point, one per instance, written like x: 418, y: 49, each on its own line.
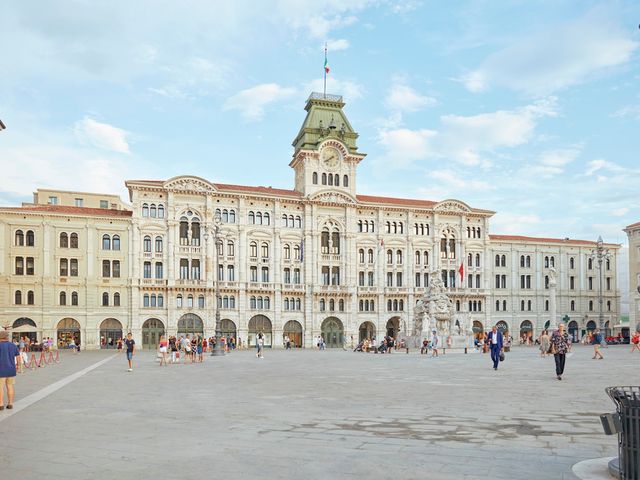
x: 287, y: 342
x: 8, y: 353
x: 597, y: 343
x: 495, y: 341
x: 560, y: 345
x: 130, y: 343
x: 635, y: 341
x: 260, y: 344
x: 544, y: 344
x: 162, y: 350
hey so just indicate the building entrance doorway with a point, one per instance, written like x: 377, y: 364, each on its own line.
x: 68, y: 333
x: 293, y: 330
x: 152, y: 330
x: 333, y: 332
x: 367, y: 331
x: 393, y: 327
x: 259, y: 324
x: 190, y: 324
x: 573, y: 330
x: 110, y: 333
x: 24, y: 327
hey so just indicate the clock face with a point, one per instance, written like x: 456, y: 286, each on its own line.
x: 331, y: 157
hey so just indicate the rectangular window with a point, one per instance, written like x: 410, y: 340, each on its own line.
x: 53, y: 200
x: 104, y: 203
x: 147, y: 270
x: 335, y: 275
x: 296, y: 276
x: 389, y: 279
x: 201, y: 302
x: 184, y: 268
x: 287, y: 275
x: 478, y: 281
x: 398, y: 279
x: 498, y: 281
x: 608, y: 281
x: 115, y: 270
x: 73, y: 267
x: 78, y: 202
x: 370, y: 279
x: 220, y: 273
x: 361, y: 279
x: 417, y: 283
x: 522, y: 281
x: 253, y: 274
x: 265, y: 274
x: 64, y: 267
x: 469, y: 281
x: 529, y: 281
x: 231, y: 273
x: 572, y: 283
x: 590, y: 283
x: 159, y: 272
x: 30, y: 266
x: 325, y: 275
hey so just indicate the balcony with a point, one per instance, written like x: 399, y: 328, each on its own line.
x: 189, y: 281
x: 330, y: 257
x: 295, y: 287
x: 190, y: 249
x: 153, y: 281
x: 362, y: 289
x: 396, y: 290
x: 262, y: 286
x: 334, y: 288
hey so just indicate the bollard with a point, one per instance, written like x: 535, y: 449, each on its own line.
x: 626, y: 422
x: 465, y: 350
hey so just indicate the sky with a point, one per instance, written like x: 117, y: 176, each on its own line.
x: 528, y: 108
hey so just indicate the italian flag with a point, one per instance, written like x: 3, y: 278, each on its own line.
x: 326, y: 64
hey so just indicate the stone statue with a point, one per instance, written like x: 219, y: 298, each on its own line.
x: 553, y: 277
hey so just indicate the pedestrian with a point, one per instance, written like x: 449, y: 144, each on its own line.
x: 130, y: 343
x: 434, y: 343
x: 597, y: 343
x: 425, y: 347
x: 287, y: 342
x: 544, y: 344
x: 635, y: 341
x: 173, y: 348
x: 8, y: 353
x: 560, y: 345
x: 162, y: 350
x: 495, y: 341
x: 260, y: 344
x: 199, y: 349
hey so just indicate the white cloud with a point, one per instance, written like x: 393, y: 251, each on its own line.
x: 620, y: 212
x: 628, y: 111
x: 559, y: 157
x: 556, y: 58
x: 505, y: 223
x: 102, y: 135
x: 465, y: 139
x: 251, y: 102
x: 336, y: 45
x: 403, y: 98
x: 601, y: 164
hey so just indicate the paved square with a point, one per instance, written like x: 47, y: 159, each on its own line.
x: 309, y: 414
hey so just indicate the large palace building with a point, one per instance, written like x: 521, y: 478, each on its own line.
x: 315, y: 260
x: 633, y: 234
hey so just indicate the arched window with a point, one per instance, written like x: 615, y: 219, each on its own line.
x: 286, y: 303
x: 389, y: 257
x: 497, y: 260
x: 497, y: 305
x: 285, y: 222
x: 158, y: 244
x: 389, y: 305
x: 522, y: 261
x: 64, y: 240
x: 258, y: 218
x: 145, y: 210
x: 31, y: 239
x: 370, y: 255
x: 259, y: 303
x: 418, y: 257
x: 179, y: 301
x: 345, y: 181
x: 231, y: 251
x: 528, y: 261
x: 361, y: 306
x: 116, y: 299
x: 252, y: 218
x: 287, y: 251
x: 253, y: 249
x: 74, y: 299
x: 232, y: 216
x: 573, y: 305
x: 63, y: 298
x: 18, y: 297
x: 264, y: 250
x: 153, y: 211
x: 267, y: 219
x: 160, y: 211
x: 106, y: 242
x: 298, y: 221
x: 546, y: 262
x: 361, y: 255
x: 477, y: 259
x: 74, y: 240
x: 324, y: 179
x: 19, y: 241
x: 315, y: 178
x: 146, y: 243
x: 105, y: 299
x: 322, y: 305
x: 195, y: 232
x: 503, y: 261
x: 426, y: 257
x: 470, y: 260
x: 332, y: 305
x: 335, y: 242
x: 331, y: 179
x: 189, y: 301
x: 225, y: 215
x: 341, y: 303
x: 145, y: 300
x: 337, y: 180
x: 571, y: 263
x: 399, y: 257
x: 115, y: 245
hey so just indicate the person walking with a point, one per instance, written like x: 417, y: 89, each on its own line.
x: 434, y: 344
x: 162, y: 350
x: 130, y: 343
x: 544, y: 344
x: 496, y: 342
x: 597, y: 343
x: 560, y: 345
x: 8, y: 353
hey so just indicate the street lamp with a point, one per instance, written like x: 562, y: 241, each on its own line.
x: 600, y: 254
x: 217, y: 351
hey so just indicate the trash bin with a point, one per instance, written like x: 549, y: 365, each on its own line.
x: 627, y: 400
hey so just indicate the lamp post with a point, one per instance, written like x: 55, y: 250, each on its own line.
x: 217, y: 351
x: 600, y: 254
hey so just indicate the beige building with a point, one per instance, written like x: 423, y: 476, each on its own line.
x: 318, y: 259
x: 633, y: 234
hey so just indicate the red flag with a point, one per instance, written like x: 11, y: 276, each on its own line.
x: 461, y: 272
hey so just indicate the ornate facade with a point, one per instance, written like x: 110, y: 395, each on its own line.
x: 315, y: 260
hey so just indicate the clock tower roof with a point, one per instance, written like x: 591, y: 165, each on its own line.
x: 325, y: 119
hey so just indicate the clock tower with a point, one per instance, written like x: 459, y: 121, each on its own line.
x: 325, y: 156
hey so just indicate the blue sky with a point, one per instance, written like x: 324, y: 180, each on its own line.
x: 531, y: 108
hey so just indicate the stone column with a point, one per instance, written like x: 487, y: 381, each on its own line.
x: 552, y: 299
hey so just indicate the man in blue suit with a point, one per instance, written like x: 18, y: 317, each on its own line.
x: 495, y: 344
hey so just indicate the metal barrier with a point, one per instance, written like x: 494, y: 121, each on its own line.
x: 626, y: 423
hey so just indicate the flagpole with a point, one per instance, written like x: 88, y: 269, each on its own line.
x: 324, y: 91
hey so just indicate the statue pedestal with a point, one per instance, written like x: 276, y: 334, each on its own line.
x: 459, y: 343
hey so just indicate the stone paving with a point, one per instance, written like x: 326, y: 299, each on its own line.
x: 310, y: 414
